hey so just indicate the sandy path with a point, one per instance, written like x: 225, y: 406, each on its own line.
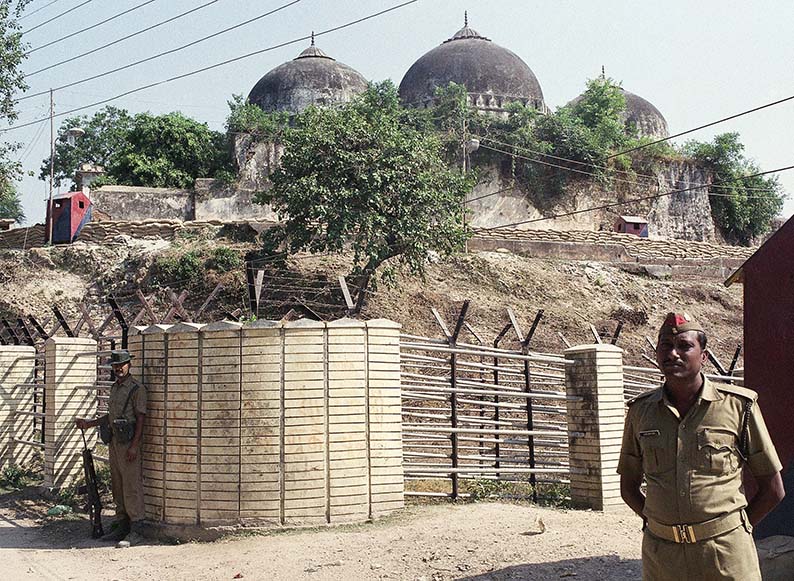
x: 431, y: 543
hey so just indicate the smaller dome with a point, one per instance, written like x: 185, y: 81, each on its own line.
x: 312, y: 78
x: 645, y: 117
x: 640, y: 113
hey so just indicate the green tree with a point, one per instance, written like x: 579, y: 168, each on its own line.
x: 601, y: 108
x: 362, y: 176
x: 743, y: 208
x: 253, y: 120
x: 10, y: 205
x: 142, y: 150
x: 169, y: 151
x: 105, y: 136
x: 12, y: 81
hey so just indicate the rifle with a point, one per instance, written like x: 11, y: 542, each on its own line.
x: 94, y: 505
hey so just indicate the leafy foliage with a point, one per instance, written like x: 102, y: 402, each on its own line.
x: 542, y: 149
x: 743, y: 208
x: 363, y: 176
x: 142, y: 150
x: 252, y: 119
x: 12, y: 81
x: 10, y: 205
x: 13, y: 476
x: 105, y: 135
x: 178, y: 270
x: 224, y: 259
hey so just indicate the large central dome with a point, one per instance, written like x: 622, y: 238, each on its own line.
x: 313, y: 78
x: 493, y: 76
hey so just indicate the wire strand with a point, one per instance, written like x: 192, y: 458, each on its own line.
x: 118, y: 40
x: 753, y: 110
x: 219, y: 64
x: 36, y: 10
x: 640, y: 199
x: 64, y: 13
x: 87, y: 28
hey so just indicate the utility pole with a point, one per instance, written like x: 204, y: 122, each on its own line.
x: 52, y: 168
x: 465, y: 173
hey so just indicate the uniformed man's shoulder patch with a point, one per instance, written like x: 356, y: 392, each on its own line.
x: 637, y: 398
x: 737, y: 390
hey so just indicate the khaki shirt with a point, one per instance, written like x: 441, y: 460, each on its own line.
x: 692, y: 465
x: 118, y: 397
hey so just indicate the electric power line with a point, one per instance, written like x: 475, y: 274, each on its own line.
x: 171, y: 51
x: 753, y: 110
x: 98, y: 24
x: 118, y: 40
x: 64, y: 13
x: 631, y: 182
x: 640, y: 199
x: 219, y: 64
x: 37, y: 10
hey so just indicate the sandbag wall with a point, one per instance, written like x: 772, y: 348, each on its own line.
x: 271, y: 423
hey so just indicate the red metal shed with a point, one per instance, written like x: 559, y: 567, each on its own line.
x: 70, y: 212
x: 768, y: 279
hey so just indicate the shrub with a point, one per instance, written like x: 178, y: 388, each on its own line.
x: 224, y: 259
x: 172, y: 270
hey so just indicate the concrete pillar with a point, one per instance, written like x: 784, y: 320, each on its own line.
x: 16, y: 395
x: 595, y: 379
x: 69, y: 380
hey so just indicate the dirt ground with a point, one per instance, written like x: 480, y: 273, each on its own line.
x: 473, y: 542
x: 573, y: 294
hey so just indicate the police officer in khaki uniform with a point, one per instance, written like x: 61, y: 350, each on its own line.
x: 690, y: 439
x: 125, y: 417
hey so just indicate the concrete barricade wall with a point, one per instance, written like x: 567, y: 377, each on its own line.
x: 596, y: 410
x: 271, y: 424
x: 16, y: 395
x: 71, y: 373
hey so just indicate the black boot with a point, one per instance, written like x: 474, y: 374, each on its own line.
x: 118, y: 530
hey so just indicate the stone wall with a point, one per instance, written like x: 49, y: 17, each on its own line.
x: 255, y: 161
x: 216, y: 201
x: 685, y: 215
x: 135, y: 204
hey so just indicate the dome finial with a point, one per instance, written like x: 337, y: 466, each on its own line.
x: 465, y: 18
x: 312, y: 38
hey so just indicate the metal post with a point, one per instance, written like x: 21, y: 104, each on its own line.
x: 530, y: 416
x: 496, y: 415
x: 125, y: 329
x: 52, y: 168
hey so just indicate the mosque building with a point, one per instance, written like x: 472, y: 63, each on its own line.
x: 493, y: 77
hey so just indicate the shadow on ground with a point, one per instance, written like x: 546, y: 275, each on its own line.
x: 605, y: 568
x: 24, y: 524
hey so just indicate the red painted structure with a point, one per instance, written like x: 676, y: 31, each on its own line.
x: 632, y: 225
x: 768, y: 279
x: 70, y: 212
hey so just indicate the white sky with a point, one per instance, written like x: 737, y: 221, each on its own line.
x: 696, y: 61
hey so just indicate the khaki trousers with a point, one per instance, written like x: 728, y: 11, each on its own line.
x: 127, y: 482
x: 730, y: 556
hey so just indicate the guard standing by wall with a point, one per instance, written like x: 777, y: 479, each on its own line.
x: 122, y: 429
x: 691, y: 439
